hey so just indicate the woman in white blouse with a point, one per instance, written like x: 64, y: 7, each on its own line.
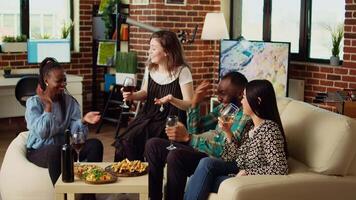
x: 167, y: 90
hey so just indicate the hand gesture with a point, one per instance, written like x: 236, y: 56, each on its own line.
x: 200, y: 93
x: 177, y: 133
x: 45, y: 98
x: 91, y: 117
x: 163, y: 100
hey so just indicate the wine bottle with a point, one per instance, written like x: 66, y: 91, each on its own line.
x: 67, y: 159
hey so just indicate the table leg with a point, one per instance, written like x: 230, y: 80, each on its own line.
x: 70, y: 196
x: 59, y: 196
x: 143, y: 196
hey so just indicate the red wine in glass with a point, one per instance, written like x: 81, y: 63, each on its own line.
x: 128, y: 88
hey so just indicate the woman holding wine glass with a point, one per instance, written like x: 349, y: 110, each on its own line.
x: 262, y: 152
x: 167, y: 89
x: 49, y: 113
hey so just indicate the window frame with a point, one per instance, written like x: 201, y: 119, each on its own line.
x: 25, y: 19
x: 304, y: 30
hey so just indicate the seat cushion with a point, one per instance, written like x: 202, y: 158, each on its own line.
x: 21, y: 179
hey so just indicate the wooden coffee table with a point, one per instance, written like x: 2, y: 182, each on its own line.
x: 137, y: 184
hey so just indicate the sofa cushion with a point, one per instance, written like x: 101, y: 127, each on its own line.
x: 321, y: 139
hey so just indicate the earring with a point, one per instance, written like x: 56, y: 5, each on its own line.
x: 46, y: 84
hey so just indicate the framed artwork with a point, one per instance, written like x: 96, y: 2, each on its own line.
x: 140, y: 2
x: 175, y: 2
x: 257, y: 60
x: 106, y: 53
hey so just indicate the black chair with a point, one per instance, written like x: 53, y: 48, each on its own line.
x: 25, y: 88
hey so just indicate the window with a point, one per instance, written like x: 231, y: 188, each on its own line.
x: 300, y: 22
x: 9, y: 18
x: 252, y: 22
x: 34, y: 18
x: 325, y: 13
x: 47, y: 18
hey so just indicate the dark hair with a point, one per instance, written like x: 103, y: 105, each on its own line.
x: 236, y: 78
x: 46, y: 66
x: 262, y: 100
x: 172, y: 47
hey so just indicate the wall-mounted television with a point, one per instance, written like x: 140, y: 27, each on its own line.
x: 37, y: 50
x: 257, y: 60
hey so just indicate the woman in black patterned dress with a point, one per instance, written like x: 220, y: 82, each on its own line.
x: 167, y: 90
x: 263, y: 150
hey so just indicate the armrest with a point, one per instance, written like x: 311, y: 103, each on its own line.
x: 306, y: 186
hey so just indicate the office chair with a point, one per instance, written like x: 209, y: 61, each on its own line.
x: 25, y: 88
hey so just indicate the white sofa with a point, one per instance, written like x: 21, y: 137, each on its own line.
x: 322, y: 159
x: 21, y: 179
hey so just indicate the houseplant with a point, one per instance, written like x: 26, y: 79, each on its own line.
x: 66, y: 29
x: 336, y: 33
x: 107, y: 9
x: 14, y: 44
x: 7, y: 70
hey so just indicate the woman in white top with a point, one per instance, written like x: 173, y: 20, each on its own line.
x: 167, y: 89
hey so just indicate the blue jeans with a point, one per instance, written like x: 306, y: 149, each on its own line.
x: 208, y: 176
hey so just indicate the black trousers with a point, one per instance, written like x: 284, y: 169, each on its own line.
x: 50, y: 156
x: 181, y: 163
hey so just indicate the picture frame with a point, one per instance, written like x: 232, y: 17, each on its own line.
x: 140, y: 2
x: 257, y: 60
x: 106, y: 53
x: 175, y: 2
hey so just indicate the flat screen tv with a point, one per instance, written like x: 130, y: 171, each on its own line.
x: 257, y: 60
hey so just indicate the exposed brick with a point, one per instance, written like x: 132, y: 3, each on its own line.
x: 333, y: 77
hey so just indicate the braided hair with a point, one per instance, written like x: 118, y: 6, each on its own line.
x: 47, y: 65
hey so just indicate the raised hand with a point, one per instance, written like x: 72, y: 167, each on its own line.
x: 200, y: 93
x: 45, y: 98
x: 92, y: 117
x: 225, y: 126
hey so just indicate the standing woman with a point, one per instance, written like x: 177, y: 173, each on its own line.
x: 262, y: 152
x: 49, y: 114
x: 167, y: 89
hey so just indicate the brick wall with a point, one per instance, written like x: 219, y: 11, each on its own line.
x: 323, y: 78
x: 81, y: 62
x: 201, y: 55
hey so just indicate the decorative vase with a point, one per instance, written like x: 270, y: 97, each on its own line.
x: 334, y: 60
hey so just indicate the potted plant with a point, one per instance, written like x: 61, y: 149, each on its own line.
x: 336, y: 33
x: 7, y: 70
x: 66, y: 29
x: 14, y: 44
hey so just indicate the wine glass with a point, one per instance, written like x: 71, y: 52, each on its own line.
x: 78, y: 141
x: 129, y: 86
x: 172, y: 120
x: 227, y: 115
